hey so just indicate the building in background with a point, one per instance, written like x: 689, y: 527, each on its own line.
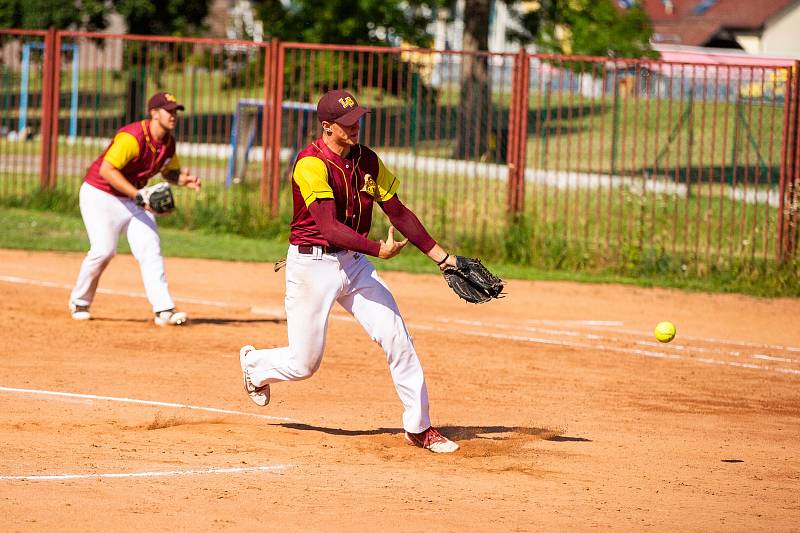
x: 755, y: 26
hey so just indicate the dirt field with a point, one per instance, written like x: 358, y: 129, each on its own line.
x: 569, y: 415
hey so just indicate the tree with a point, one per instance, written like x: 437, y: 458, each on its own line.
x: 148, y: 17
x: 374, y: 22
x: 586, y: 27
x: 163, y: 17
x: 156, y: 17
x: 349, y: 22
x: 59, y: 14
x: 475, y: 91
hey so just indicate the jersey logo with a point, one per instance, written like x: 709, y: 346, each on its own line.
x: 370, y: 187
x: 347, y: 102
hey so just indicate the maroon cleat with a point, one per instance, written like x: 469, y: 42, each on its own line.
x: 432, y: 440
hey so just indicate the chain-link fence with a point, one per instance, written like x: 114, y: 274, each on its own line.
x: 584, y: 161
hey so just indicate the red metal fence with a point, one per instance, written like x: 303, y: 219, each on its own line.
x: 576, y: 156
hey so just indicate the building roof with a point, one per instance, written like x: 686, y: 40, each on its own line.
x: 697, y: 22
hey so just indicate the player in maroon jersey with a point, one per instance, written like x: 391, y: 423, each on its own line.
x: 336, y: 183
x: 108, y: 205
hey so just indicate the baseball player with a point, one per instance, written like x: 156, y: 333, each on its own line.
x: 336, y: 182
x: 109, y: 206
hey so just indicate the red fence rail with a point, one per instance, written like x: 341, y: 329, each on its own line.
x: 592, y: 157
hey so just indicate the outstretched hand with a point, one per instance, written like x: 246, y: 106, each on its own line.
x: 189, y: 180
x: 390, y: 247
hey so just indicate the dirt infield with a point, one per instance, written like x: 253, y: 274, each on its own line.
x: 569, y: 415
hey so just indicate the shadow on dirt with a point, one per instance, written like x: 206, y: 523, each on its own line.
x: 341, y: 432
x: 453, y: 432
x: 223, y: 321
x: 560, y: 438
x: 199, y: 321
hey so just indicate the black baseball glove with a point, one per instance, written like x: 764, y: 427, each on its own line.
x: 472, y: 281
x: 158, y: 197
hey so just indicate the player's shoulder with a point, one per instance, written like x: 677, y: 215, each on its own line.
x: 367, y: 158
x: 310, y: 163
x: 134, y: 128
x: 126, y: 141
x: 366, y: 152
x: 312, y: 150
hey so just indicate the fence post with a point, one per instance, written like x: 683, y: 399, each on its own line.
x: 47, y: 107
x: 55, y: 110
x: 787, y: 213
x: 277, y: 126
x: 266, y: 121
x: 793, y: 178
x: 522, y: 137
x: 513, y: 119
x: 517, y: 134
x: 615, y: 125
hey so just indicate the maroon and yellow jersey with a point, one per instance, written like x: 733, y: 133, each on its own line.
x: 136, y: 155
x: 354, y: 182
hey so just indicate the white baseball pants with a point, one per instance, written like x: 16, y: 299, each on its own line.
x: 105, y: 217
x: 313, y: 284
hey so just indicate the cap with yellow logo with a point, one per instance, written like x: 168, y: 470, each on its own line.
x: 164, y: 101
x: 340, y: 107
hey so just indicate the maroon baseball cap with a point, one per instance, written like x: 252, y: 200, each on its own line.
x: 340, y: 107
x: 164, y: 101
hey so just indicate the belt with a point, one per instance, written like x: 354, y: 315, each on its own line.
x: 308, y: 249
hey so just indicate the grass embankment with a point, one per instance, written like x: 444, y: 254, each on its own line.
x: 35, y: 229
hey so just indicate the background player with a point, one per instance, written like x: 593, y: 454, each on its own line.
x: 108, y: 207
x: 336, y: 182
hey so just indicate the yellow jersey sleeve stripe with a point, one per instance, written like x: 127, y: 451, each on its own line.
x: 174, y: 164
x: 123, y: 150
x: 387, y: 183
x: 311, y: 177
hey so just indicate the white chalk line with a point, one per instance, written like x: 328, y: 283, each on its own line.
x: 231, y: 470
x: 114, y: 292
x: 593, y: 336
x: 166, y: 473
x: 144, y: 402
x: 714, y: 340
x: 617, y: 349
x: 600, y: 324
x: 766, y: 357
x: 649, y: 353
x: 606, y: 323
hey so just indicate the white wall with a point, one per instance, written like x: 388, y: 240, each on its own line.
x: 782, y: 34
x: 750, y: 43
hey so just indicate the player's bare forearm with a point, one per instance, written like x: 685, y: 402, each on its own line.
x: 439, y: 256
x: 115, y: 178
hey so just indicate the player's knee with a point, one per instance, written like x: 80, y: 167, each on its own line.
x: 102, y: 255
x: 301, y: 372
x: 305, y: 369
x: 395, y: 341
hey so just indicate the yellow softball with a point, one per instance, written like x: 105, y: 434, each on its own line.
x: 665, y: 331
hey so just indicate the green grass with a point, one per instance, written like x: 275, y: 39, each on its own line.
x: 585, y: 228
x: 35, y: 229
x: 637, y: 135
x: 32, y: 229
